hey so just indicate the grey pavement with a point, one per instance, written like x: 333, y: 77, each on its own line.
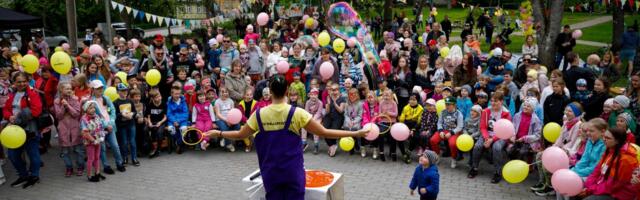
x: 215, y: 174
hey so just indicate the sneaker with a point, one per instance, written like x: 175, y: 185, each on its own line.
x: 135, y: 163
x: 221, y: 143
x: 121, y: 168
x: 125, y: 161
x: 80, y: 172
x: 93, y: 179
x: 375, y: 153
x: 547, y: 191
x: 108, y: 170
x: 247, y: 149
x: 231, y: 148
x: 537, y: 187
x: 68, y: 172
x: 406, y: 158
x: 332, y: 150
x: 472, y: 173
x: 2, y: 180
x: 316, y: 148
x: 101, y: 176
x: 19, y: 182
x: 454, y: 164
x: 382, y: 158
x: 32, y: 180
x: 496, y: 178
x: 363, y: 152
x: 204, y: 145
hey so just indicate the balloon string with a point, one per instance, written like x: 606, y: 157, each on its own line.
x: 535, y: 163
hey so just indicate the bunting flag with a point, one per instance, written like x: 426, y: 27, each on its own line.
x: 179, y: 21
x: 462, y: 4
x: 141, y: 15
x: 622, y: 3
x: 637, y: 5
x: 154, y: 18
x: 148, y: 16
x: 114, y: 5
x: 572, y: 8
x: 160, y: 20
x: 471, y: 7
x: 212, y: 20
x: 128, y: 9
x: 120, y: 7
x: 135, y: 13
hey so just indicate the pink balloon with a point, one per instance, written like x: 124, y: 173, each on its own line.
x: 305, y: 17
x: 400, y: 131
x: 576, y: 34
x: 95, y: 49
x: 326, y: 70
x: 282, y: 67
x: 554, y: 159
x: 262, y: 19
x: 351, y: 42
x: 135, y: 43
x: 234, y: 116
x: 219, y: 37
x: 65, y: 46
x: 374, y: 131
x: 504, y: 129
x: 566, y: 182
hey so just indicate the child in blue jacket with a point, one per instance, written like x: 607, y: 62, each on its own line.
x: 177, y: 117
x: 426, y: 177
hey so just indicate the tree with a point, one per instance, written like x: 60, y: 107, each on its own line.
x: 617, y: 11
x: 548, y: 22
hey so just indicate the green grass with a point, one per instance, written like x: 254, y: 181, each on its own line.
x: 602, y: 32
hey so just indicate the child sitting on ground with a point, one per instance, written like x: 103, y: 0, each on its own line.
x: 426, y: 177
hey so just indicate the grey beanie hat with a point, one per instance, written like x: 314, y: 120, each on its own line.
x: 431, y: 156
x: 467, y: 87
x: 622, y: 100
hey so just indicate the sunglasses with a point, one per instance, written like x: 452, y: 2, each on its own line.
x: 226, y: 41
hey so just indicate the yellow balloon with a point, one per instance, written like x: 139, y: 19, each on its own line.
x: 112, y: 93
x: 551, y: 131
x: 13, y: 137
x: 61, y: 62
x: 30, y: 63
x: 464, y: 142
x: 240, y: 42
x: 346, y: 143
x: 515, y: 171
x: 308, y: 23
x: 324, y: 38
x: 444, y: 51
x: 440, y: 106
x: 153, y: 77
x: 338, y: 45
x: 123, y: 77
x: 420, y: 39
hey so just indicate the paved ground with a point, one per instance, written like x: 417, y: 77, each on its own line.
x: 217, y: 175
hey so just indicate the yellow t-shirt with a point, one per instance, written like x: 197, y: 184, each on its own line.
x: 274, y: 116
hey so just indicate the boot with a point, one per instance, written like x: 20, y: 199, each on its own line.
x: 154, y: 150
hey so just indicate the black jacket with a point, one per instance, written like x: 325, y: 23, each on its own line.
x: 593, y: 105
x: 554, y: 108
x: 574, y: 73
x: 562, y: 38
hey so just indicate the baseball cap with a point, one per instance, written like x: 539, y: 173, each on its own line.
x: 122, y: 87
x: 581, y: 82
x: 431, y: 102
x: 158, y: 38
x: 450, y: 100
x: 95, y: 84
x: 447, y: 88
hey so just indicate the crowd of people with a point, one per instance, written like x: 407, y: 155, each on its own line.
x: 204, y: 77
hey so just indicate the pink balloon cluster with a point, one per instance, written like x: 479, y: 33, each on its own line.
x: 95, y: 49
x: 554, y: 159
x: 400, y: 131
x: 282, y: 67
x: 234, y: 116
x: 326, y: 70
x: 262, y: 19
x: 504, y: 129
x: 567, y: 182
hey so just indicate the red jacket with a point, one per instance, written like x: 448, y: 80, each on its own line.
x: 35, y: 104
x: 48, y: 87
x: 484, y: 122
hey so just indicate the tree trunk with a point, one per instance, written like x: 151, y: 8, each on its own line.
x: 420, y: 6
x: 618, y: 27
x: 547, y: 28
x: 387, y: 14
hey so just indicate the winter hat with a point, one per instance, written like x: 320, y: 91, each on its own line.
x: 85, y: 106
x: 476, y: 108
x: 314, y: 90
x: 468, y: 88
x: 581, y: 82
x: 622, y: 100
x: 431, y: 156
x: 574, y: 108
x: 627, y: 118
x: 188, y: 87
x: 266, y: 91
x: 213, y: 42
x: 431, y: 102
x: 416, y: 89
x: 608, y: 102
x: 497, y: 52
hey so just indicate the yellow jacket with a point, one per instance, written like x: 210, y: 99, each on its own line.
x: 411, y: 114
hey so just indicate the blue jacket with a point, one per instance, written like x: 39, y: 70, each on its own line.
x: 630, y: 40
x: 213, y: 56
x: 426, y: 178
x: 590, y: 158
x: 464, y: 106
x: 177, y: 112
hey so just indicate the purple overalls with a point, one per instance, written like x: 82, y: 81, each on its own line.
x: 280, y: 160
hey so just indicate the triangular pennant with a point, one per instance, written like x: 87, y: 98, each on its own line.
x: 179, y: 22
x: 114, y: 5
x: 154, y: 18
x: 135, y: 13
x: 462, y: 4
x: 187, y: 23
x: 128, y: 9
x: 622, y: 3
x: 148, y: 16
x: 141, y: 15
x: 471, y: 7
x: 637, y: 5
x: 571, y: 8
x: 160, y: 20
x: 585, y: 5
x: 167, y: 21
x: 120, y: 7
x: 212, y: 20
x: 174, y: 22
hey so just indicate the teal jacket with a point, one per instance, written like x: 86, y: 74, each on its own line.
x: 590, y: 158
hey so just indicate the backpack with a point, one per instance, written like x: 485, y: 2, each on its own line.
x: 45, y: 119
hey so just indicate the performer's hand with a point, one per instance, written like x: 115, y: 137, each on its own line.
x: 362, y: 132
x: 423, y: 190
x: 411, y: 192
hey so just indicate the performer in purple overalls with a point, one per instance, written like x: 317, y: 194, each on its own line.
x: 278, y: 142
